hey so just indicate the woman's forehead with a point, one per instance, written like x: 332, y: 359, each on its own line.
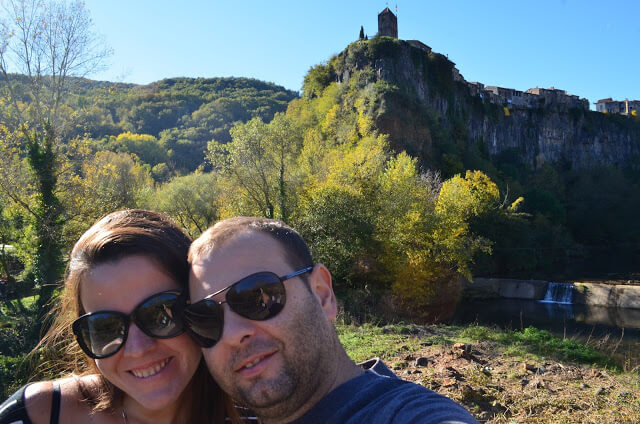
x: 120, y: 285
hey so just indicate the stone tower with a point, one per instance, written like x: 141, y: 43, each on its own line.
x: 387, y: 24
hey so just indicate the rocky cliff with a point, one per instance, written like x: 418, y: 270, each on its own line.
x: 420, y: 103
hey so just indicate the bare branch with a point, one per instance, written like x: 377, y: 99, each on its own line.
x: 48, y: 41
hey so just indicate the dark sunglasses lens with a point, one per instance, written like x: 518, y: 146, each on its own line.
x: 258, y: 297
x: 101, y: 334
x: 156, y: 316
x: 203, y: 321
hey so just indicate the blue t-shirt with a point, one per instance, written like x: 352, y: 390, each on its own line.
x: 379, y: 397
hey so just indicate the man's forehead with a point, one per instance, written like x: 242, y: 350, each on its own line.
x: 249, y: 241
x: 242, y: 255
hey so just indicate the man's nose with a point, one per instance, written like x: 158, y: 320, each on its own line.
x: 137, y: 343
x: 237, y: 329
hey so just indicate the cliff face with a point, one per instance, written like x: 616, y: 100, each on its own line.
x: 419, y: 98
x: 556, y: 136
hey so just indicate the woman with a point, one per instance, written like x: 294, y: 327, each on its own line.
x: 131, y: 363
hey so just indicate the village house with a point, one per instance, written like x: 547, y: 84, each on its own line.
x: 554, y: 96
x: 623, y: 107
x: 513, y: 97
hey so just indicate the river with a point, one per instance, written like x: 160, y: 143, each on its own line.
x: 601, y: 327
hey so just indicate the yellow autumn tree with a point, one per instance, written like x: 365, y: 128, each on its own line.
x: 110, y: 181
x: 438, y: 244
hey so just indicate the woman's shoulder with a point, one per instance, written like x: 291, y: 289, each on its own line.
x: 37, y: 399
x: 40, y: 399
x: 28, y: 405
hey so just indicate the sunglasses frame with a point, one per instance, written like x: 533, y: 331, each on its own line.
x: 128, y: 319
x: 209, y: 298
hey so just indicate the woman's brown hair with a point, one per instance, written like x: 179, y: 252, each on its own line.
x: 114, y: 237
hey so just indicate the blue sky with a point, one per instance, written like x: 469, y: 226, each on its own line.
x: 589, y: 48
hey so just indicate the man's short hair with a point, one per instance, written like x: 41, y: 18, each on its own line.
x: 295, y: 249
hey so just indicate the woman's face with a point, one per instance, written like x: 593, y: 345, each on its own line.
x: 153, y: 372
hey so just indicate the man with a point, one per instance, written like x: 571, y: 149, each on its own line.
x: 263, y: 313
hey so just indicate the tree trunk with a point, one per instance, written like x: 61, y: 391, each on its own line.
x: 48, y: 264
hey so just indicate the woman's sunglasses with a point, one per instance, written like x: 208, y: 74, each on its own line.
x: 257, y: 297
x: 102, y: 334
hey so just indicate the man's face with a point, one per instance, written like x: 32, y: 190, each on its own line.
x: 274, y: 365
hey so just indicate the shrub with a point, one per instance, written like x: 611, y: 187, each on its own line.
x: 13, y: 374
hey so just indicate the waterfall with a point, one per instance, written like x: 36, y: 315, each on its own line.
x: 559, y: 293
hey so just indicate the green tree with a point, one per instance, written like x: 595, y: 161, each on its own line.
x: 10, y: 265
x: 47, y: 212
x: 35, y: 192
x: 191, y: 200
x: 316, y: 80
x: 47, y: 42
x: 260, y: 162
x: 337, y: 223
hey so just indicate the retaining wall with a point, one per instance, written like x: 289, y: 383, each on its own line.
x: 587, y: 293
x: 612, y: 295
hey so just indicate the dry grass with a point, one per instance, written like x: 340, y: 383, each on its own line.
x: 506, y: 377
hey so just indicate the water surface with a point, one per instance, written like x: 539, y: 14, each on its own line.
x: 595, y: 325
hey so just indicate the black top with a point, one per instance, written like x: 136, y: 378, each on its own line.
x: 13, y: 410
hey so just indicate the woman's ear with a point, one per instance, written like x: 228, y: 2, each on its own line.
x: 321, y: 286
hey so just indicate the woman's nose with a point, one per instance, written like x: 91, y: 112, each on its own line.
x: 137, y: 343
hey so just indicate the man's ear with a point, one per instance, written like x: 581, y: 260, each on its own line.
x: 322, y: 288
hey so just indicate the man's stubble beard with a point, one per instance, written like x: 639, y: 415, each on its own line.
x: 304, y: 364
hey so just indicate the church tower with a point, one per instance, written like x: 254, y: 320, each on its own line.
x: 387, y: 24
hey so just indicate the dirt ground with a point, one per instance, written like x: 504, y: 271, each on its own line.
x: 501, y: 389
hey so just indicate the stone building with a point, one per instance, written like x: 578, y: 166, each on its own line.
x: 533, y: 98
x: 420, y: 45
x: 510, y: 96
x: 457, y: 76
x: 387, y: 24
x: 623, y: 107
x: 476, y: 88
x: 553, y: 96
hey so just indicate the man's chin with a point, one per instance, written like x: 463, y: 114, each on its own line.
x: 267, y: 393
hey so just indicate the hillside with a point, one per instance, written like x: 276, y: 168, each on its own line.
x: 422, y: 104
x: 183, y: 113
x: 576, y: 170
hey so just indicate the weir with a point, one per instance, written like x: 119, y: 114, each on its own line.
x: 559, y: 293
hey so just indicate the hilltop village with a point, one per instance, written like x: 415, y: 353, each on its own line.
x: 532, y: 98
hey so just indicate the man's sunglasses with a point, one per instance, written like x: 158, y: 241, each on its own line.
x: 102, y: 334
x: 258, y: 297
